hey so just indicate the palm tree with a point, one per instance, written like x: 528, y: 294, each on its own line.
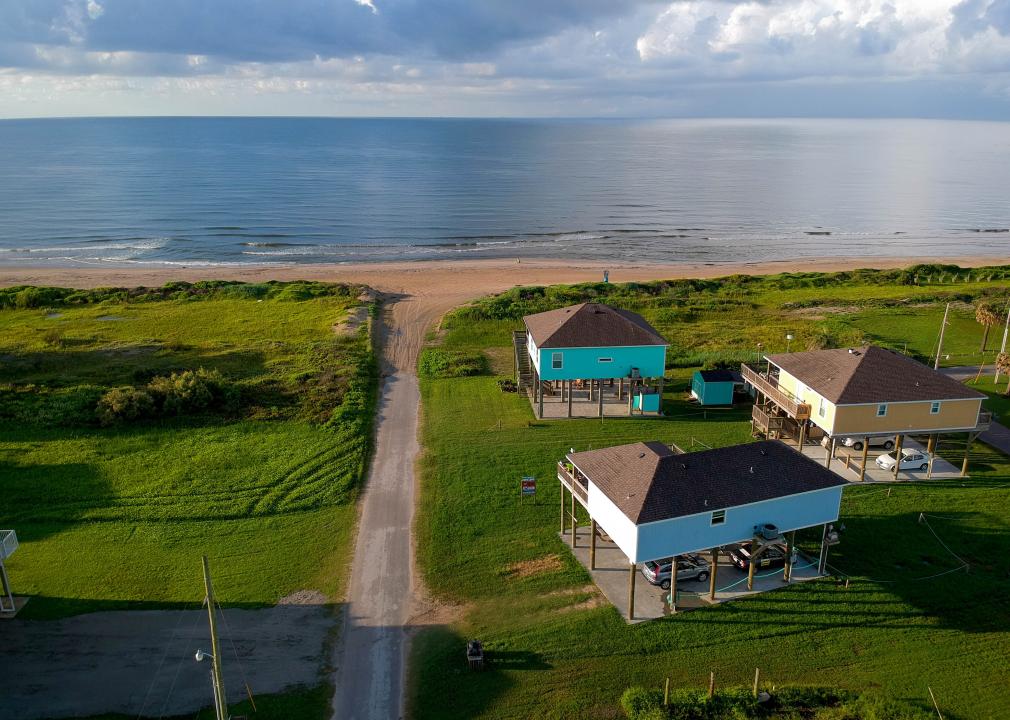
x: 1003, y: 365
x: 986, y: 315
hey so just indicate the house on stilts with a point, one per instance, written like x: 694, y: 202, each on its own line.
x: 866, y: 394
x: 654, y: 502
x: 590, y: 360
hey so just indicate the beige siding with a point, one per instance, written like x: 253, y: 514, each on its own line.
x: 862, y: 419
x: 805, y: 395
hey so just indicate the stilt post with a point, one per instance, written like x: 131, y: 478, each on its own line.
x: 600, y: 398
x: 822, y: 564
x: 967, y: 449
x: 931, y: 450
x: 862, y: 461
x: 570, y: 389
x: 575, y: 524
x: 803, y: 434
x: 715, y: 571
x: 787, y: 571
x: 897, y: 455
x: 673, y: 585
x: 592, y: 543
x: 564, y: 525
x: 631, y: 591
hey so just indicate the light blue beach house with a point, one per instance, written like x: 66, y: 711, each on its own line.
x: 655, y: 502
x: 590, y: 360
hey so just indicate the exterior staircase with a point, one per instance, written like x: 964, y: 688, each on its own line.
x: 524, y: 370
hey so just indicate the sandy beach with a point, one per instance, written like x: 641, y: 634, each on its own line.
x: 431, y: 288
x: 467, y: 277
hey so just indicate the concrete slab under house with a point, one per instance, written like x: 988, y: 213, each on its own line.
x: 590, y: 360
x: 650, y: 502
x: 864, y: 397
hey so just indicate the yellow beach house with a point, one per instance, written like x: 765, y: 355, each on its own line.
x: 867, y: 392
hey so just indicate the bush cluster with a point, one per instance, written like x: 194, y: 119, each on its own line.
x: 25, y: 297
x: 181, y: 393
x: 697, y: 294
x: 786, y: 703
x: 441, y: 363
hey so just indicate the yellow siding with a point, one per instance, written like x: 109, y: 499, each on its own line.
x: 862, y: 419
x: 792, y: 386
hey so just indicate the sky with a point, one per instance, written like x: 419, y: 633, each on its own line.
x: 567, y: 58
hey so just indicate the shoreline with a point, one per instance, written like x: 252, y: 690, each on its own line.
x: 455, y: 277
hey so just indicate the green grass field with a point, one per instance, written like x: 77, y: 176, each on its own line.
x: 118, y: 517
x: 909, y: 618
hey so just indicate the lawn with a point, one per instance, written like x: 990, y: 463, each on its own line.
x: 911, y: 616
x: 118, y: 516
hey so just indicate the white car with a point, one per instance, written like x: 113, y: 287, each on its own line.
x: 856, y: 442
x: 910, y: 460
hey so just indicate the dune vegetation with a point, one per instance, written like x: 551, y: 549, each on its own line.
x: 141, y: 428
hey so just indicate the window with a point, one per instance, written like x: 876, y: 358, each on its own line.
x: 821, y: 407
x: 557, y: 360
x: 934, y: 409
x: 718, y: 517
x: 605, y: 360
x: 882, y: 410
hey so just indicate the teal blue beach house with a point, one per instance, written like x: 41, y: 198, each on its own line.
x: 590, y: 360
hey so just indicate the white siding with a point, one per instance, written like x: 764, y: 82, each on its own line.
x: 534, y: 353
x: 614, y: 522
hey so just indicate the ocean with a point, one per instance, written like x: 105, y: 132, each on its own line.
x: 223, y: 191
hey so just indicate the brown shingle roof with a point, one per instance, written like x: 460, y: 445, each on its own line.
x: 591, y: 325
x: 870, y: 374
x: 649, y: 482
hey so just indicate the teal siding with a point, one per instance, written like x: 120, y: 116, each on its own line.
x: 711, y: 393
x: 586, y: 364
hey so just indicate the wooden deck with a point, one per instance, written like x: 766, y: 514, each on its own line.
x: 768, y: 387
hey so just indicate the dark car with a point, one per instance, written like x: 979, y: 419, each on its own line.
x: 773, y: 556
x: 689, y: 567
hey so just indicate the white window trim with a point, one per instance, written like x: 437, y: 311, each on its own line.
x: 934, y: 407
x: 605, y: 360
x: 879, y: 406
x: 557, y: 361
x: 721, y: 520
x: 822, y: 408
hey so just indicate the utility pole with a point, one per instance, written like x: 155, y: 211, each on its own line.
x: 1002, y: 348
x: 939, y: 344
x: 220, y: 702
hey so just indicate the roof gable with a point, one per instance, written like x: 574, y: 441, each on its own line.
x: 591, y: 325
x: 650, y: 482
x: 870, y: 374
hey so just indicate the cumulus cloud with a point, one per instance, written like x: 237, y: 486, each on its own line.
x: 554, y: 56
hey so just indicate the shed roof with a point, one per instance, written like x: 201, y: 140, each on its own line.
x: 870, y: 374
x: 650, y: 482
x: 591, y: 325
x: 720, y: 376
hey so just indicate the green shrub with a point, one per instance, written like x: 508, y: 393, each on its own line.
x: 441, y: 363
x: 786, y: 703
x: 192, y: 391
x: 53, y: 338
x: 123, y: 404
x: 637, y: 701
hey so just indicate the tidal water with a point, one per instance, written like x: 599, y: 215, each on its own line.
x: 232, y: 190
